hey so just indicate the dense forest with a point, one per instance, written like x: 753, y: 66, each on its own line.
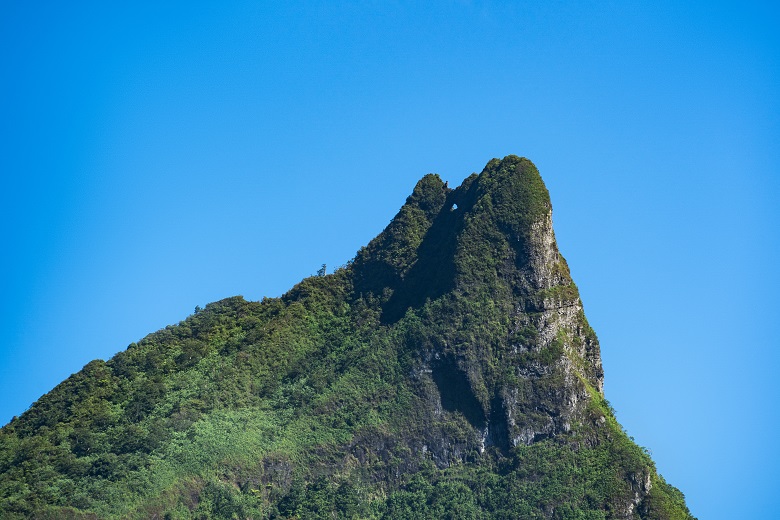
x: 447, y: 371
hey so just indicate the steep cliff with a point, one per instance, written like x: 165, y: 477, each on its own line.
x: 447, y: 372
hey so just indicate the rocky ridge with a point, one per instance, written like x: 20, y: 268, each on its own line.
x: 447, y: 370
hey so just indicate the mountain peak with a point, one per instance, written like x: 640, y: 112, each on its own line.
x: 492, y: 226
x: 449, y: 370
x: 490, y: 242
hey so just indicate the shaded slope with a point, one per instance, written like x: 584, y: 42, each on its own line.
x: 448, y: 370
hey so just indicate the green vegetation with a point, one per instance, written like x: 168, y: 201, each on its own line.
x: 432, y: 377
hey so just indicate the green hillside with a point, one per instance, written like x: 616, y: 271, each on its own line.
x: 448, y: 371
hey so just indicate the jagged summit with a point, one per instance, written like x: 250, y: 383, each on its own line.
x: 498, y: 243
x: 448, y: 371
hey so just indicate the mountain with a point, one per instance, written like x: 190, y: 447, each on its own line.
x: 447, y: 371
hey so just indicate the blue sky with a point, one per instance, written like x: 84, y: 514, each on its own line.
x: 159, y: 157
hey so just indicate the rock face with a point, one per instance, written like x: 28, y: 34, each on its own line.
x: 492, y: 233
x: 447, y: 372
x: 522, y: 365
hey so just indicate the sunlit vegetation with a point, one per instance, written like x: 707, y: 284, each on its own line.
x: 319, y: 404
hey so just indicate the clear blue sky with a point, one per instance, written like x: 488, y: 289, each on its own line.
x: 159, y: 157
